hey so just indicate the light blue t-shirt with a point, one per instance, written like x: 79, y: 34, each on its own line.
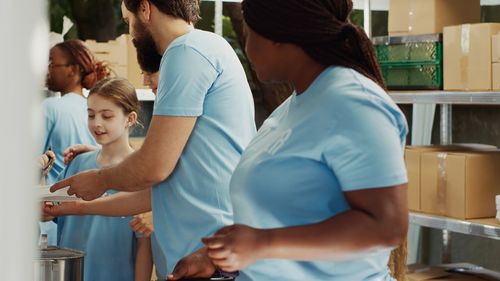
x: 342, y: 134
x: 65, y: 121
x: 108, y: 242
x: 65, y: 125
x: 201, y: 76
x: 158, y: 257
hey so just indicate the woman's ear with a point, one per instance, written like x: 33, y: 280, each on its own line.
x: 74, y: 70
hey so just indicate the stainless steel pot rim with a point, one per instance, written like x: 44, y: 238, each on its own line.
x: 58, y: 253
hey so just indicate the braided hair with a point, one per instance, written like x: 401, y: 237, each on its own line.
x: 91, y: 70
x: 322, y: 28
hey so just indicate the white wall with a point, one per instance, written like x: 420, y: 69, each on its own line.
x: 23, y: 60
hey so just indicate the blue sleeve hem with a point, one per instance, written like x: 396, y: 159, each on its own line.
x: 191, y: 112
x: 380, y: 183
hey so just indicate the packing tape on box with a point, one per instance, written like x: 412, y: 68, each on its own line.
x: 442, y: 183
x: 464, y: 58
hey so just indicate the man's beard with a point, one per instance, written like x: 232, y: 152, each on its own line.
x: 144, y: 43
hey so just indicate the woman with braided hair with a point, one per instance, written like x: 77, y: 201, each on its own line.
x: 72, y: 67
x: 320, y: 192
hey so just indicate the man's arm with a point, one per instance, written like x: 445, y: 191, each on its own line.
x: 157, y: 158
x: 154, y: 162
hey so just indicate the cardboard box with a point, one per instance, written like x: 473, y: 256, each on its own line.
x: 495, y: 48
x: 413, y: 166
x: 496, y: 76
x: 121, y: 56
x: 413, y: 163
x: 467, y: 56
x: 413, y: 17
x: 134, y: 72
x: 136, y: 143
x: 113, y: 52
x: 461, y: 185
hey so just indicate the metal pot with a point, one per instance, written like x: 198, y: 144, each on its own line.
x: 59, y: 264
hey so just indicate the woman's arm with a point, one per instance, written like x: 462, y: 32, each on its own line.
x: 143, y: 260
x: 378, y: 219
x: 116, y: 205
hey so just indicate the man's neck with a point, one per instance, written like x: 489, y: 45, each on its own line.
x: 168, y: 30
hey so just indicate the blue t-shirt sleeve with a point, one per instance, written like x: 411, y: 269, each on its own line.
x: 365, y: 150
x: 186, y: 76
x: 49, y: 120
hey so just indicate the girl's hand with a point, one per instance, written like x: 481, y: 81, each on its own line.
x: 195, y: 265
x: 143, y: 223
x: 63, y: 209
x: 71, y: 152
x: 45, y: 216
x: 235, y: 247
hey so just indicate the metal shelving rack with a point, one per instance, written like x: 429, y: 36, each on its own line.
x: 446, y: 97
x: 470, y: 227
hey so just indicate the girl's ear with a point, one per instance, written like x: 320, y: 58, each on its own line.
x: 131, y: 119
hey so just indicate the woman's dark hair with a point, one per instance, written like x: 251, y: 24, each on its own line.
x: 188, y: 10
x: 91, y: 70
x: 321, y: 27
x: 149, y: 61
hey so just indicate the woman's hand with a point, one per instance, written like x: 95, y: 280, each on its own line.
x: 235, y: 247
x: 196, y: 264
x: 63, y: 209
x: 143, y: 223
x: 71, y: 152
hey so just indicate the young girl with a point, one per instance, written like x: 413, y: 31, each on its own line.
x: 109, y: 206
x: 112, y: 250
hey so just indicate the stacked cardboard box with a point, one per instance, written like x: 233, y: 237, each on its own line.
x: 495, y: 58
x: 468, y: 56
x: 121, y: 57
x: 460, y: 185
x: 413, y: 155
x: 136, y: 142
x: 456, y: 180
x: 414, y: 17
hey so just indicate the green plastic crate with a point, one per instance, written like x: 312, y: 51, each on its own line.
x: 413, y: 76
x: 404, y: 49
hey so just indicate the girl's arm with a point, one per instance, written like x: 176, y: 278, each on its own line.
x: 143, y: 260
x: 116, y: 205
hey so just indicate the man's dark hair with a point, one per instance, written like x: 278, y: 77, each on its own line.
x: 188, y: 10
